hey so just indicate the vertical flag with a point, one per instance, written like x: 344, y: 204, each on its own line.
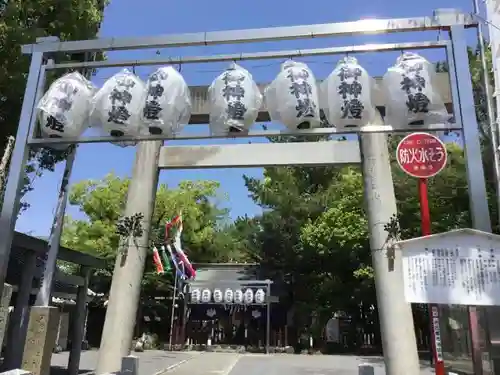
x: 173, y: 231
x: 167, y: 267
x: 157, y: 261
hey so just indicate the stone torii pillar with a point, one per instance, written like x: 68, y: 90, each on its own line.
x: 129, y: 267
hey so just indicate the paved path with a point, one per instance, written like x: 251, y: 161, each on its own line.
x: 151, y: 362
x: 209, y: 364
x: 157, y: 362
x: 310, y: 365
x: 252, y: 364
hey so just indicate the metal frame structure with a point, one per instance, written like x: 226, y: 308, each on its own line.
x: 249, y: 283
x: 148, y: 153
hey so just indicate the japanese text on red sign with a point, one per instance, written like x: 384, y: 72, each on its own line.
x: 421, y: 155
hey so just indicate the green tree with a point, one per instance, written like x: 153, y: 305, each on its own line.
x: 314, y: 232
x: 103, y: 202
x: 21, y: 22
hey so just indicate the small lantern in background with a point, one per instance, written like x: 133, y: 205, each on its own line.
x: 238, y: 296
x: 248, y: 296
x: 260, y: 296
x: 195, y: 296
x: 206, y: 295
x: 217, y: 296
x: 228, y: 296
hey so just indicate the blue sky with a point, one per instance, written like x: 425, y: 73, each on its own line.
x: 125, y: 18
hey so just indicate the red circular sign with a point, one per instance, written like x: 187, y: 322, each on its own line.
x: 421, y: 155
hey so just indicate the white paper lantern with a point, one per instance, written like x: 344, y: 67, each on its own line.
x: 238, y: 296
x: 64, y: 109
x: 167, y: 106
x: 206, y: 295
x: 234, y: 100
x: 228, y: 296
x: 260, y: 296
x: 218, y: 296
x: 411, y: 94
x: 292, y: 98
x: 195, y: 295
x: 118, y: 105
x: 248, y: 296
x: 346, y: 95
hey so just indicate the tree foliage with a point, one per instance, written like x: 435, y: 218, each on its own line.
x: 102, y: 203
x: 314, y: 233
x: 22, y: 22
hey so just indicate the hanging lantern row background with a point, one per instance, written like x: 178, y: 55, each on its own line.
x: 228, y: 296
x: 125, y: 105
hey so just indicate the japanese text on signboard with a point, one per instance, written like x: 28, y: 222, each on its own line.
x: 422, y: 154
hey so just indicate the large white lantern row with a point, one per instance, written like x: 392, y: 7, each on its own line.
x: 238, y: 296
x: 167, y: 106
x: 411, y: 94
x: 218, y: 296
x: 64, y: 109
x: 206, y: 295
x: 228, y: 296
x: 195, y: 295
x: 118, y: 105
x: 260, y: 296
x: 234, y: 100
x: 292, y: 98
x: 248, y: 296
x: 346, y: 95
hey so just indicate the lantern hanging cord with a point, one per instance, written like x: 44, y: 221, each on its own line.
x: 258, y: 66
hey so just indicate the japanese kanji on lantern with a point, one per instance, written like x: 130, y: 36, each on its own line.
x: 118, y: 105
x: 64, y: 109
x: 234, y: 100
x: 421, y: 155
x: 167, y: 105
x: 292, y: 98
x: 411, y: 94
x: 346, y: 95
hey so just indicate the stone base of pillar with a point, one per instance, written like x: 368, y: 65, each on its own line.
x: 4, y: 311
x: 40, y: 339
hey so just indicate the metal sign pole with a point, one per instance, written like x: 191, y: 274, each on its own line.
x: 268, y: 318
x: 172, y: 314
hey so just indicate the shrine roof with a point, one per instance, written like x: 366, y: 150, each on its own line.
x: 228, y: 275
x: 23, y: 245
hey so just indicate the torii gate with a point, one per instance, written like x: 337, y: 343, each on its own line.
x: 371, y: 151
